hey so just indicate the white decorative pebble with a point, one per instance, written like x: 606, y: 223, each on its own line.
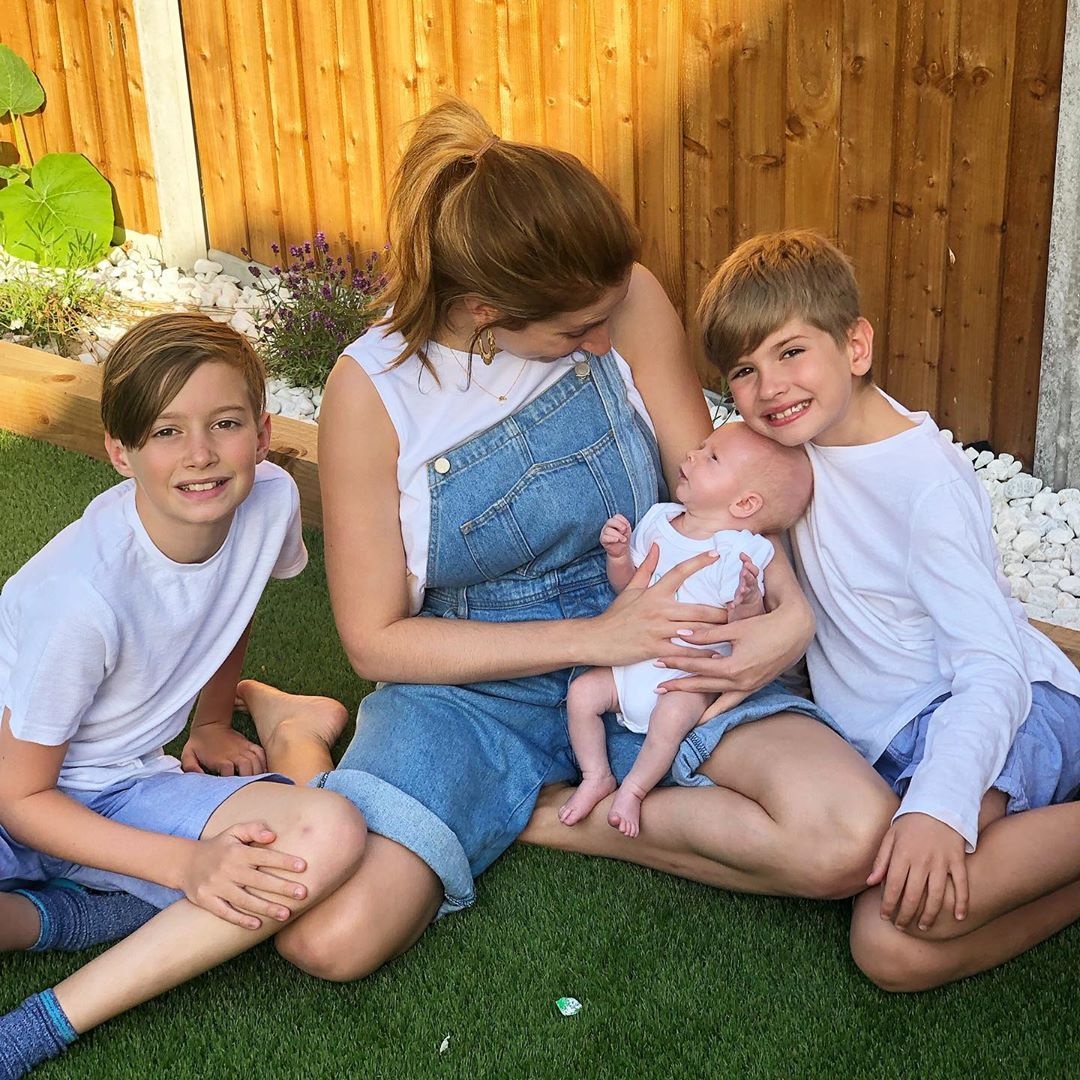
x: 984, y: 458
x: 1021, y: 589
x: 1026, y: 542
x: 1045, y: 596
x: 1059, y: 536
x: 1045, y: 575
x: 206, y: 266
x: 971, y: 454
x: 1041, y: 503
x: 1035, y: 611
x: 1070, y: 585
x: 1021, y: 486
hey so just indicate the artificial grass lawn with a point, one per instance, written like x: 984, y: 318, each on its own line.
x: 675, y: 979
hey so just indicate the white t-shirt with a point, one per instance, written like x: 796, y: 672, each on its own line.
x: 431, y: 418
x: 714, y: 584
x: 105, y: 642
x: 899, y: 564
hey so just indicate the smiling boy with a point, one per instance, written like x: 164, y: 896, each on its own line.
x: 921, y: 655
x: 107, y: 638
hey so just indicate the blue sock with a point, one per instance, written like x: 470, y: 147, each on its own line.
x: 72, y: 918
x: 34, y: 1032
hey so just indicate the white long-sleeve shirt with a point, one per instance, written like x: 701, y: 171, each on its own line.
x: 897, y: 558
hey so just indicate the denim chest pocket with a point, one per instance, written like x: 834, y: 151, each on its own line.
x: 552, y: 514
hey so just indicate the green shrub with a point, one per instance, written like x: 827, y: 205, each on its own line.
x: 52, y: 308
x: 316, y: 305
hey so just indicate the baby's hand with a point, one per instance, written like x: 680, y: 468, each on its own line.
x: 615, y: 537
x: 747, y: 601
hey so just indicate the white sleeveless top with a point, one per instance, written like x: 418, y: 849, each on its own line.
x: 432, y: 417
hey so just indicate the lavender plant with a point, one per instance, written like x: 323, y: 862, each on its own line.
x: 317, y: 304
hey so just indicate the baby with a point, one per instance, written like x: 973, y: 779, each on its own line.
x: 737, y: 485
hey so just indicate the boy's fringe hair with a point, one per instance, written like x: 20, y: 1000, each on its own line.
x: 148, y: 366
x: 767, y: 281
x: 528, y: 229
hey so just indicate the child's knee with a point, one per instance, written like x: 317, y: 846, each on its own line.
x: 329, y: 833
x: 889, y: 958
x: 319, y: 950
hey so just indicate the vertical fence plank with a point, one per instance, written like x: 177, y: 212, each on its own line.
x: 476, y: 48
x: 614, y: 123
x: 921, y: 202
x: 564, y: 77
x: 659, y: 144
x: 318, y: 36
x: 760, y: 88
x: 811, y: 127
x: 983, y: 87
x: 866, y: 157
x: 366, y: 168
x: 256, y: 184
x: 36, y: 38
x: 1036, y: 88
x: 216, y: 133
x: 707, y: 151
x: 84, y: 110
x: 436, y: 65
x: 520, y: 71
x: 138, y: 150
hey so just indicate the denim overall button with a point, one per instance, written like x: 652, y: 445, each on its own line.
x: 581, y: 369
x: 442, y: 465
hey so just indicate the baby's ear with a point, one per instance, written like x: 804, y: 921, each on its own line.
x: 118, y: 455
x: 747, y: 505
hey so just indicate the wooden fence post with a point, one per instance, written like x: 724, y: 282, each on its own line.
x: 172, y: 131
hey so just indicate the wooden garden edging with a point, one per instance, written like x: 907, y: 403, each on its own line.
x: 50, y: 398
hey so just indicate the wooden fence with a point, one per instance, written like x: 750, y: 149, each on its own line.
x: 920, y: 134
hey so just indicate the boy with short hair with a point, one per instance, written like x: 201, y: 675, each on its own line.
x: 732, y: 489
x: 107, y: 637
x: 921, y: 655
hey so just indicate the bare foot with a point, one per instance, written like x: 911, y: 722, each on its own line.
x: 281, y: 718
x: 625, y: 812
x: 586, y: 795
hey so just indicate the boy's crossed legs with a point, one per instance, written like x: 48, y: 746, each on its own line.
x: 1024, y: 882
x: 184, y: 940
x: 673, y: 717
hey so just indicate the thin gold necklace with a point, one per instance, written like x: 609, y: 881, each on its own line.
x: 480, y: 386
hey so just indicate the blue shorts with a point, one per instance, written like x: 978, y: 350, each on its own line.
x: 174, y: 803
x: 453, y: 772
x: 1043, y: 764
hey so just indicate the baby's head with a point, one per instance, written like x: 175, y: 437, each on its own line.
x: 745, y: 481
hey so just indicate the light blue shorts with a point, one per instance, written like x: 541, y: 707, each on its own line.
x: 174, y: 803
x: 1043, y: 764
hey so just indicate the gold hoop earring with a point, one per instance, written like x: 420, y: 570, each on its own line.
x: 487, y: 347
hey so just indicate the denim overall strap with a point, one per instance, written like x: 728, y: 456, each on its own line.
x: 516, y: 511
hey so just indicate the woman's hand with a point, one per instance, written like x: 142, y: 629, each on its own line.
x: 221, y: 872
x: 761, y: 649
x: 644, y: 620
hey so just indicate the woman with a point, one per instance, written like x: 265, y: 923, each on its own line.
x: 463, y: 500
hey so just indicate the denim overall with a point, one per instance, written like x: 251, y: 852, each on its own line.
x: 453, y: 772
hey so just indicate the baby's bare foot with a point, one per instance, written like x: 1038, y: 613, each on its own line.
x: 279, y: 716
x: 625, y: 812
x: 586, y: 795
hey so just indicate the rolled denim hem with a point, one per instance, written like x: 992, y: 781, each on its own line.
x: 392, y: 813
x: 696, y: 748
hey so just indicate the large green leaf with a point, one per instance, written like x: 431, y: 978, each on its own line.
x: 63, y: 217
x: 20, y: 91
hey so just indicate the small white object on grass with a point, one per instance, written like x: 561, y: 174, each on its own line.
x: 445, y: 1044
